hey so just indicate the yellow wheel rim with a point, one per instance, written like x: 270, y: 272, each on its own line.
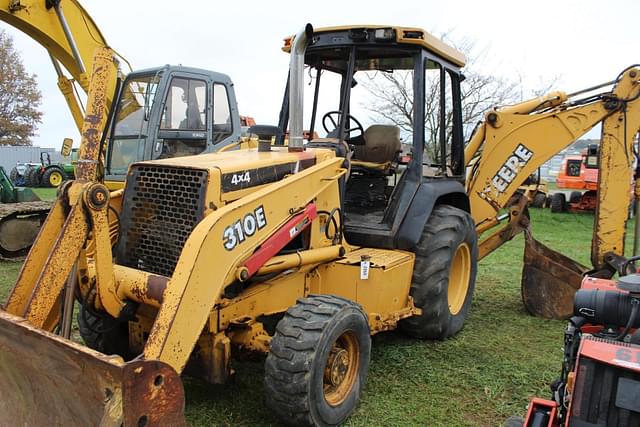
x: 459, y: 278
x: 55, y: 179
x: 341, y: 369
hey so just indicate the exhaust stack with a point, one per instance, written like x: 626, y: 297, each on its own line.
x: 296, y: 87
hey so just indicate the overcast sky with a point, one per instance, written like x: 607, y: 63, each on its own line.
x: 582, y: 42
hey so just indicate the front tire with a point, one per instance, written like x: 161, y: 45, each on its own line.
x: 538, y: 200
x: 104, y: 333
x: 558, y: 203
x: 444, y: 274
x: 318, y: 361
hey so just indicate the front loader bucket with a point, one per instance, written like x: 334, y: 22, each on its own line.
x: 48, y: 380
x: 549, y: 280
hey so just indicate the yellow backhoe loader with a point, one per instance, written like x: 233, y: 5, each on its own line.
x: 301, y: 251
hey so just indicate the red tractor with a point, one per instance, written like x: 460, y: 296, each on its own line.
x: 578, y: 173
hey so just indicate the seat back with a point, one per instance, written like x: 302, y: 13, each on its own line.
x: 382, y: 144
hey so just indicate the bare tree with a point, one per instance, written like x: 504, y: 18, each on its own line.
x: 393, y: 98
x: 19, y: 97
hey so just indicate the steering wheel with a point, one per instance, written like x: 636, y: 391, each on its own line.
x: 334, y: 122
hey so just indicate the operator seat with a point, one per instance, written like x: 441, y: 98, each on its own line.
x: 367, y: 190
x: 380, y: 150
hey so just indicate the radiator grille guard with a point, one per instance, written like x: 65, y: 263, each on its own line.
x: 161, y: 206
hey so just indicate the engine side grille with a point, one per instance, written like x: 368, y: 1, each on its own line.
x: 161, y: 206
x: 596, y: 402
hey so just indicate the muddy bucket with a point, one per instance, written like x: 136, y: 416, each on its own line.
x: 549, y: 280
x: 48, y: 380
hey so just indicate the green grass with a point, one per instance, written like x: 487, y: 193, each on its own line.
x: 501, y: 359
x: 45, y: 193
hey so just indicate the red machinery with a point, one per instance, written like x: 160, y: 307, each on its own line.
x: 578, y: 173
x: 600, y: 381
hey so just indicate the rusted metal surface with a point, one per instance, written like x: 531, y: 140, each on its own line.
x: 102, y: 76
x: 549, y: 281
x: 47, y: 380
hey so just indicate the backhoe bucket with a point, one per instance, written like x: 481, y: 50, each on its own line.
x: 549, y: 280
x: 48, y: 380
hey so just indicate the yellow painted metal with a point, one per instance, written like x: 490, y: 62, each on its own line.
x: 459, y: 274
x: 194, y: 288
x: 35, y: 261
x: 384, y: 294
x: 250, y: 335
x: 139, y: 286
x: 103, y: 262
x: 616, y: 170
x: 404, y: 35
x: 66, y: 88
x: 57, y: 268
x: 298, y: 259
x: 552, y: 99
x: 34, y: 19
x: 270, y: 297
x: 341, y: 368
x: 514, y: 141
x: 95, y: 121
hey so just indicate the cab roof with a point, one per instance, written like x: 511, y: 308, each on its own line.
x: 402, y: 35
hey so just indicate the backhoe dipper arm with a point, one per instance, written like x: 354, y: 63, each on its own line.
x: 69, y: 34
x: 514, y: 141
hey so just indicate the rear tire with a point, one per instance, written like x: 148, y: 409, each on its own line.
x: 575, y: 197
x: 318, y: 361
x: 539, y: 200
x: 558, y: 203
x: 14, y: 175
x: 53, y: 177
x: 32, y: 177
x: 444, y: 274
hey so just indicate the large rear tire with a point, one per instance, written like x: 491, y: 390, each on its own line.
x: 444, y: 274
x: 318, y: 361
x: 14, y: 176
x: 53, y: 177
x: 558, y: 203
x: 33, y: 176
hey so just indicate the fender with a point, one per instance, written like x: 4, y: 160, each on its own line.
x: 428, y: 195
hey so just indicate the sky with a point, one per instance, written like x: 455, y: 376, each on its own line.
x: 577, y: 44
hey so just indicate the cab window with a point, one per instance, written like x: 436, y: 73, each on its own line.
x: 222, y: 126
x: 185, y: 107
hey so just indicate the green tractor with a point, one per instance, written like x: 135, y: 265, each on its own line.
x: 47, y: 174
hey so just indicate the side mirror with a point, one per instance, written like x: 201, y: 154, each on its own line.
x: 67, y: 143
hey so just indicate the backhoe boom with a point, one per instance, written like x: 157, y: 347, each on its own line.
x: 515, y: 141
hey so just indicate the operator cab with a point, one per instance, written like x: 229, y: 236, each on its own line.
x: 388, y: 99
x: 172, y: 111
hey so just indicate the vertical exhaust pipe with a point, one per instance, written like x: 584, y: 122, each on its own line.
x: 296, y: 87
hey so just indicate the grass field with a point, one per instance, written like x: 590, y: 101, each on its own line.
x: 488, y: 372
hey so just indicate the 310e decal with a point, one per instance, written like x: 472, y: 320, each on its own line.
x: 241, y: 229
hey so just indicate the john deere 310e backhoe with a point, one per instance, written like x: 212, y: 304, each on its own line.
x: 300, y: 251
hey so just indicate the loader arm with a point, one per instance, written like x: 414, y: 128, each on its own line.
x: 514, y: 141
x: 45, y: 22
